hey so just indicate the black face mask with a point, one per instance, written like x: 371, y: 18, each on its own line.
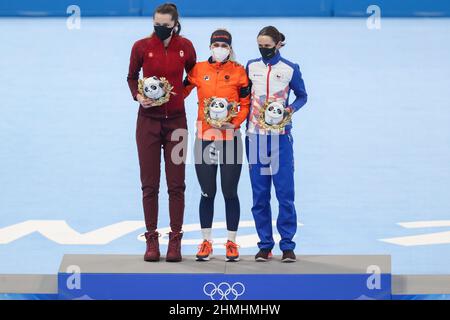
x: 163, y: 32
x: 268, y: 53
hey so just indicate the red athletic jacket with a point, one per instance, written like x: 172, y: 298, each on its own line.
x: 155, y: 60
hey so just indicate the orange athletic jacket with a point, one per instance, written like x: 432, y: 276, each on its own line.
x: 221, y: 80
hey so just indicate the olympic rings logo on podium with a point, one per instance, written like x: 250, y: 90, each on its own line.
x: 224, y: 291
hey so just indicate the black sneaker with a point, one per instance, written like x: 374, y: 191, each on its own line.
x: 263, y: 255
x: 288, y: 256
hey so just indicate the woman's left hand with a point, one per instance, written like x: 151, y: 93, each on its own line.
x: 288, y: 109
x: 227, y: 125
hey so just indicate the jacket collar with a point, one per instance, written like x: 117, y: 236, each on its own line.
x: 154, y: 37
x: 274, y: 60
x: 217, y: 64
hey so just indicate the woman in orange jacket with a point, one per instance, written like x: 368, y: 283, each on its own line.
x: 221, y: 83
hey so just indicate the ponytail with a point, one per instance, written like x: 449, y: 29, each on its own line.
x: 178, y: 28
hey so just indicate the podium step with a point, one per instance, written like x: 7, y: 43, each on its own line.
x: 311, y: 277
x: 28, y: 287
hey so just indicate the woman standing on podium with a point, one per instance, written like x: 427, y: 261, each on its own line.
x: 164, y: 54
x: 269, y: 142
x: 223, y: 91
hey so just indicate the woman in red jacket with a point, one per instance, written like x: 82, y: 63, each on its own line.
x: 164, y: 54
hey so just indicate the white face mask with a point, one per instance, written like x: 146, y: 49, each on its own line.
x: 220, y: 54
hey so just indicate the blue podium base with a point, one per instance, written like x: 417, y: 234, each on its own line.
x: 311, y: 277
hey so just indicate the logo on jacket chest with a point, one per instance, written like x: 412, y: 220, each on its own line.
x: 226, y: 78
x: 257, y: 75
x: 275, y: 75
x: 279, y: 76
x: 151, y: 55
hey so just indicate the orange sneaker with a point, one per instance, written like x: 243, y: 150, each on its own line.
x: 205, y: 251
x: 232, y: 251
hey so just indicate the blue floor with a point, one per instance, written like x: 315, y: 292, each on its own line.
x: 372, y: 144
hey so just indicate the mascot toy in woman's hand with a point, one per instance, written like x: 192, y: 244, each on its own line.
x: 218, y: 109
x: 274, y: 116
x: 153, y: 88
x: 157, y: 89
x: 274, y: 113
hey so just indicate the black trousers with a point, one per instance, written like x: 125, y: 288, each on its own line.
x: 210, y: 156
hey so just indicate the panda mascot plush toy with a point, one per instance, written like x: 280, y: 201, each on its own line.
x: 153, y: 88
x: 218, y: 109
x: 274, y: 113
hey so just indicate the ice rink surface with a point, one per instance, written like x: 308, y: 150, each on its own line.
x: 372, y: 144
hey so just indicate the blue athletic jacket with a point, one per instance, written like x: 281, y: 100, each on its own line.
x: 273, y: 79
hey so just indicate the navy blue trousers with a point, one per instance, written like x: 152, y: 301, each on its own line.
x: 271, y: 160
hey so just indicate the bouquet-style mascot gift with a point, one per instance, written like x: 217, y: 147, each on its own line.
x: 158, y: 89
x: 274, y: 115
x: 217, y: 111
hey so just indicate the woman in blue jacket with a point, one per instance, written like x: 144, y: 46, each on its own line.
x: 270, y: 148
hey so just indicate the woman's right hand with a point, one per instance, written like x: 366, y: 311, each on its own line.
x: 215, y: 126
x: 144, y: 101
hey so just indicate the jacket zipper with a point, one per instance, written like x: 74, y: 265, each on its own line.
x: 267, y: 82
x: 165, y: 106
x: 217, y: 77
x: 217, y: 82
